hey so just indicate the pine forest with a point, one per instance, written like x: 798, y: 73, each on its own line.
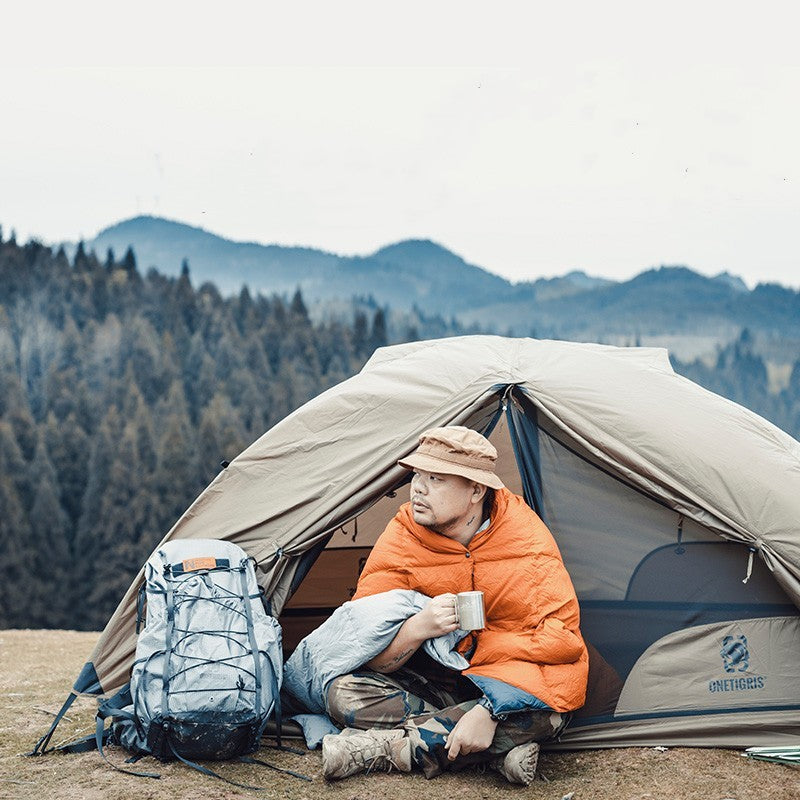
x: 122, y: 393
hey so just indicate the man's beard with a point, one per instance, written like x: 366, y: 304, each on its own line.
x: 443, y: 528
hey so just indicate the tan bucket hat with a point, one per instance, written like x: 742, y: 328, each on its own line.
x: 456, y: 450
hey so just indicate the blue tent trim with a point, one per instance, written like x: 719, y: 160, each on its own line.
x: 695, y: 712
x: 87, y: 682
x: 524, y: 430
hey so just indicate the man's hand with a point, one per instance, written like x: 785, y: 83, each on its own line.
x: 472, y: 734
x: 437, y: 618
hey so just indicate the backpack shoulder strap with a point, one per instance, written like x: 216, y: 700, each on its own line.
x: 210, y: 772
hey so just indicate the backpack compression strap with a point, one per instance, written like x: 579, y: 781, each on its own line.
x: 243, y: 760
x: 168, y: 634
x: 251, y: 760
x: 101, y: 735
x: 276, y: 690
x: 251, y: 636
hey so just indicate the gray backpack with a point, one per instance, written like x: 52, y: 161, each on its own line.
x: 208, y: 666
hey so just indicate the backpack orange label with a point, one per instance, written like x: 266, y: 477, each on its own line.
x: 194, y: 564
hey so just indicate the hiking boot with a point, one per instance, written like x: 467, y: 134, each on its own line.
x: 518, y: 765
x: 353, y: 751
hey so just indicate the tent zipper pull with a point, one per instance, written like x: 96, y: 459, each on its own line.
x: 679, y: 548
x: 504, y: 398
x: 749, y: 565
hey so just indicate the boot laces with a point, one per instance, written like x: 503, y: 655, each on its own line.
x: 381, y: 762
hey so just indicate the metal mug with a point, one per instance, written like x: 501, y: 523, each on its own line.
x: 470, y: 613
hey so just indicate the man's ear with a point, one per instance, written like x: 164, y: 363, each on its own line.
x: 478, y: 492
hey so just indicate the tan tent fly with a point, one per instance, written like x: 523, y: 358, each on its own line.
x: 677, y: 513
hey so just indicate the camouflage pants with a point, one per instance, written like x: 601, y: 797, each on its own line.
x: 367, y: 699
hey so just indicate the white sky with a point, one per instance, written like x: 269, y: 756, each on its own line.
x: 530, y: 138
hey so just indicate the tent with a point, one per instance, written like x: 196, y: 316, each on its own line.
x: 677, y: 513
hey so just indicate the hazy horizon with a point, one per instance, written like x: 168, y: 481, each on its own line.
x: 301, y: 245
x: 530, y: 141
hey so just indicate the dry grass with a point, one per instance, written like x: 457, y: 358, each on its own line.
x: 38, y: 667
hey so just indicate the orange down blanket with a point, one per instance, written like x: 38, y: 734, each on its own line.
x: 532, y: 638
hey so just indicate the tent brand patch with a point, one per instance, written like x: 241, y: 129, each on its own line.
x: 737, y: 684
x: 735, y: 655
x: 736, y: 658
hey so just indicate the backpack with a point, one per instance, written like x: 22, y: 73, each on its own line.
x: 208, y: 666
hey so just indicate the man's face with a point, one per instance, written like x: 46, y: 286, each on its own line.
x: 444, y: 503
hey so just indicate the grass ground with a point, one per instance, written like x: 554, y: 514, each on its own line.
x: 38, y: 667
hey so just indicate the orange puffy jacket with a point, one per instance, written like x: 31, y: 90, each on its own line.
x: 531, y: 639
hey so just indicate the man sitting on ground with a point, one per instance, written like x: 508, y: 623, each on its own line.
x: 463, y: 531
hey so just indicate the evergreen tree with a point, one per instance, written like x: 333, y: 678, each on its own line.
x: 68, y: 449
x: 90, y: 536
x: 140, y: 352
x: 19, y: 430
x: 177, y: 476
x: 245, y: 313
x: 199, y: 377
x: 81, y: 261
x: 17, y: 412
x: 122, y: 531
x: 184, y: 299
x: 129, y: 261
x: 15, y: 543
x: 169, y: 370
x: 272, y: 337
x: 140, y: 422
x: 228, y: 355
x: 298, y: 306
x: 250, y: 402
x: 378, y: 336
x: 50, y: 564
x: 221, y: 435
x: 360, y: 334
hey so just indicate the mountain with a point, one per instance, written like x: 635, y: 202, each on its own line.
x: 440, y: 276
x: 734, y: 281
x: 670, y: 304
x: 164, y: 244
x: 402, y: 275
x: 668, y: 301
x: 412, y: 273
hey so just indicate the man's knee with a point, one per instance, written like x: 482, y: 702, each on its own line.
x: 364, y: 700
x: 345, y: 694
x: 530, y: 726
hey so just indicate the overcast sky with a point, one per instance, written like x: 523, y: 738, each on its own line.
x: 529, y: 138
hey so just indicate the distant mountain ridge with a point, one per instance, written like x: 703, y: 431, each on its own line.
x: 674, y: 301
x: 408, y: 273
